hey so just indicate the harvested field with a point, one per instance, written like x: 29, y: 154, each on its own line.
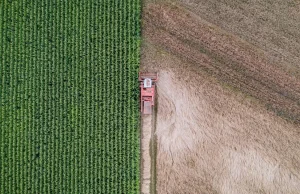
x: 272, y: 26
x: 213, y: 141
x: 224, y: 57
x: 146, y: 148
x: 228, y: 116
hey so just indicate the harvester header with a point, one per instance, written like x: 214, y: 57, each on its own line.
x: 147, y: 87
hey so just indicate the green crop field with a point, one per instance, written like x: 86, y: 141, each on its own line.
x: 69, y: 96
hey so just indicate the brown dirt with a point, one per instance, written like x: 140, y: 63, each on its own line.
x: 272, y: 26
x: 228, y: 118
x: 224, y: 57
x: 211, y: 140
x: 146, y: 154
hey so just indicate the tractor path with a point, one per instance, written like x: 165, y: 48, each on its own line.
x: 148, y: 154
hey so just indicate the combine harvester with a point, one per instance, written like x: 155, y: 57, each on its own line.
x: 147, y: 86
x: 148, y: 155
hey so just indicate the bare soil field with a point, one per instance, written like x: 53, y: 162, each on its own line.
x: 229, y: 59
x: 228, y: 111
x: 146, y: 158
x: 271, y: 25
x: 147, y: 138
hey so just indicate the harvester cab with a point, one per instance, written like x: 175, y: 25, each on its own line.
x: 147, y: 87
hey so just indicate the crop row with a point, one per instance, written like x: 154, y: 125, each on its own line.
x: 68, y: 96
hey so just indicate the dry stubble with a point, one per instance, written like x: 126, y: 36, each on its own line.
x: 213, y: 139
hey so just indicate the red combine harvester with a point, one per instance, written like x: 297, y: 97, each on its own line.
x: 147, y: 86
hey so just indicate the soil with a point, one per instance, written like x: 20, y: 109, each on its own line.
x: 228, y: 116
x: 273, y: 27
x: 224, y: 57
x: 147, y: 126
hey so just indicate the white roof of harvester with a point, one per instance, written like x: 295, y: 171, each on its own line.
x: 147, y: 83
